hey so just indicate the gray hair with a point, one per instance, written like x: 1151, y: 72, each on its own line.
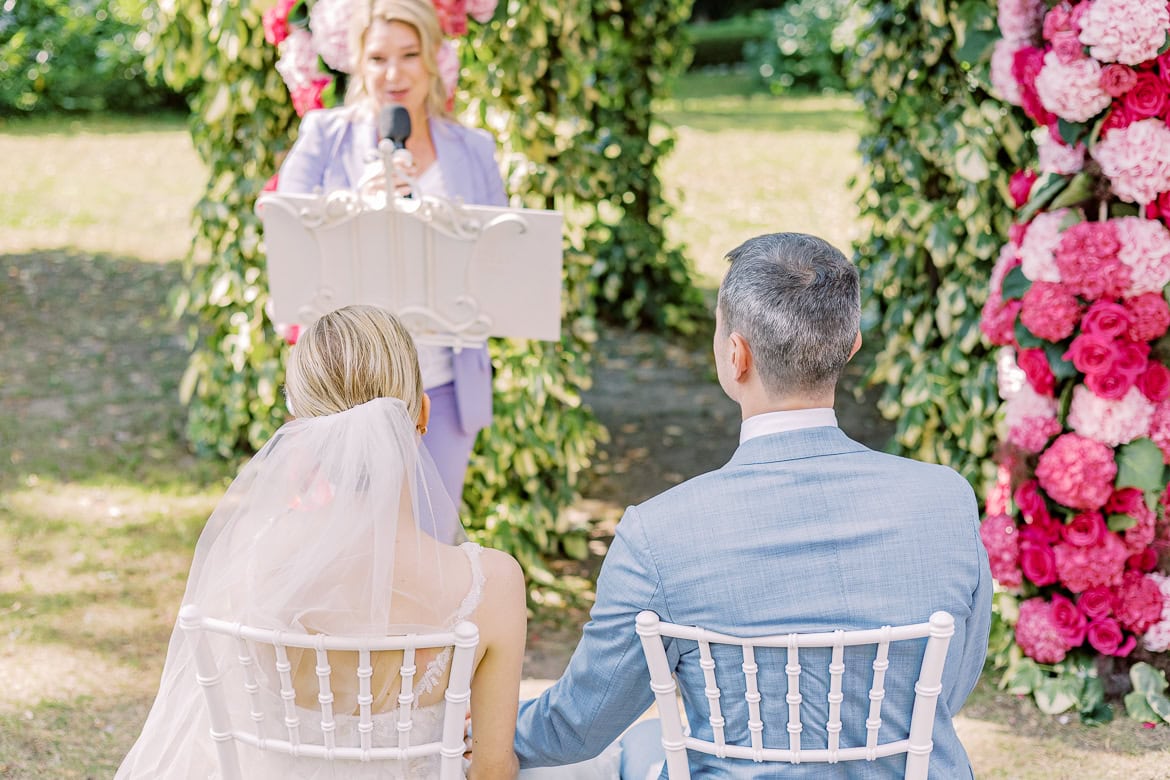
x: 797, y: 301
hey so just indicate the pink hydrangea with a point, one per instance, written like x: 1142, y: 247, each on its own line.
x: 1145, y: 249
x: 1160, y: 431
x: 1110, y: 422
x: 1125, y: 31
x: 329, y: 21
x: 1039, y: 244
x: 452, y: 16
x: 1071, y: 91
x: 1139, y: 602
x: 298, y: 61
x: 998, y: 318
x: 1089, y: 261
x: 1136, y: 159
x: 1003, y: 83
x: 1020, y: 19
x: 1149, y: 316
x: 1037, y: 633
x: 448, y: 61
x: 1055, y: 156
x: 1081, y: 568
x: 1077, y: 472
x: 1157, y: 638
x: 1002, y: 541
x: 1050, y: 311
x: 1030, y: 419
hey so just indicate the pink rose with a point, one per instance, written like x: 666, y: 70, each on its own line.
x: 452, y: 16
x: 1112, y: 386
x: 1118, y: 118
x: 1070, y: 622
x: 1092, y: 354
x: 1026, y: 65
x: 1105, y: 637
x: 276, y: 21
x: 1033, y: 508
x: 1145, y: 561
x: 1038, y: 563
x: 1085, y: 529
x: 308, y: 98
x: 1106, y: 319
x: 1155, y: 382
x: 1147, y: 97
x: 1020, y: 186
x: 1034, y: 364
x: 1132, y: 358
x: 1056, y: 21
x: 1096, y: 602
x: 1067, y: 47
x: 1149, y: 316
x: 1117, y: 79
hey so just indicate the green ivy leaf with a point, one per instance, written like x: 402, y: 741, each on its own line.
x: 1139, y: 709
x: 1057, y: 694
x: 1015, y: 284
x: 1139, y: 465
x: 1061, y: 368
x: 1119, y: 523
x: 1070, y: 133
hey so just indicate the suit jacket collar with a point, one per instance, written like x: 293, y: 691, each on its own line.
x: 794, y: 445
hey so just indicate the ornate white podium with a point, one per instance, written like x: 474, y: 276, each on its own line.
x: 455, y: 274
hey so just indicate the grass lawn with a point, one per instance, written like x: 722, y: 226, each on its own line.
x: 100, y: 503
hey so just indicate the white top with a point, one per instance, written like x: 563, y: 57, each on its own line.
x: 791, y: 420
x: 436, y: 363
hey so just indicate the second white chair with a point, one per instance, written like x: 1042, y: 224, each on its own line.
x: 916, y: 745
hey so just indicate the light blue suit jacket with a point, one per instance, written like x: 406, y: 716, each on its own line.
x: 801, y: 531
x: 330, y: 153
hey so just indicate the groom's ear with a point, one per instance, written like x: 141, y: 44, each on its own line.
x: 739, y: 355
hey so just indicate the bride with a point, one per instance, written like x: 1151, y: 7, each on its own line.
x: 332, y: 528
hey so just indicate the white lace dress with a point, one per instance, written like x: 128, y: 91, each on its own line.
x: 427, y: 720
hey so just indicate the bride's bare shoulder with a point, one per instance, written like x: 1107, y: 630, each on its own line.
x: 504, y: 579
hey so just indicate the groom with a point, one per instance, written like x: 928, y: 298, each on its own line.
x: 803, y: 530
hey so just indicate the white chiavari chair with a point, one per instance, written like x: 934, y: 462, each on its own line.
x: 916, y: 744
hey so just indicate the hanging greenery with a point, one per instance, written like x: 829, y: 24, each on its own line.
x: 934, y: 207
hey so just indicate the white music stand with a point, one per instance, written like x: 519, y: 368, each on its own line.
x: 454, y: 274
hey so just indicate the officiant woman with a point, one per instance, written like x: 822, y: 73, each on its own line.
x: 397, y: 45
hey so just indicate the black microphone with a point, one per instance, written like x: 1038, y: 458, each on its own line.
x: 394, y: 124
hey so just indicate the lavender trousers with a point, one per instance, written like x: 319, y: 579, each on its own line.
x: 450, y: 448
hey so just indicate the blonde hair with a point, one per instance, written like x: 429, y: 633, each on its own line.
x: 350, y: 356
x: 419, y: 14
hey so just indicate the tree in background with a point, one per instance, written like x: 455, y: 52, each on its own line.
x: 76, y: 55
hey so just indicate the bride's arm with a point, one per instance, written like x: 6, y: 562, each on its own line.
x: 495, y: 688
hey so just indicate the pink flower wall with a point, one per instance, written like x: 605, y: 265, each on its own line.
x: 1077, y: 526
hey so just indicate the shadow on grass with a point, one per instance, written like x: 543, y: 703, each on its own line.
x: 89, y: 373
x: 105, y: 123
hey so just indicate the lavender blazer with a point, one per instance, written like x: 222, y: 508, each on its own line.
x: 330, y: 153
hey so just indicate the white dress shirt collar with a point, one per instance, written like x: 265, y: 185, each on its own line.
x: 791, y: 420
